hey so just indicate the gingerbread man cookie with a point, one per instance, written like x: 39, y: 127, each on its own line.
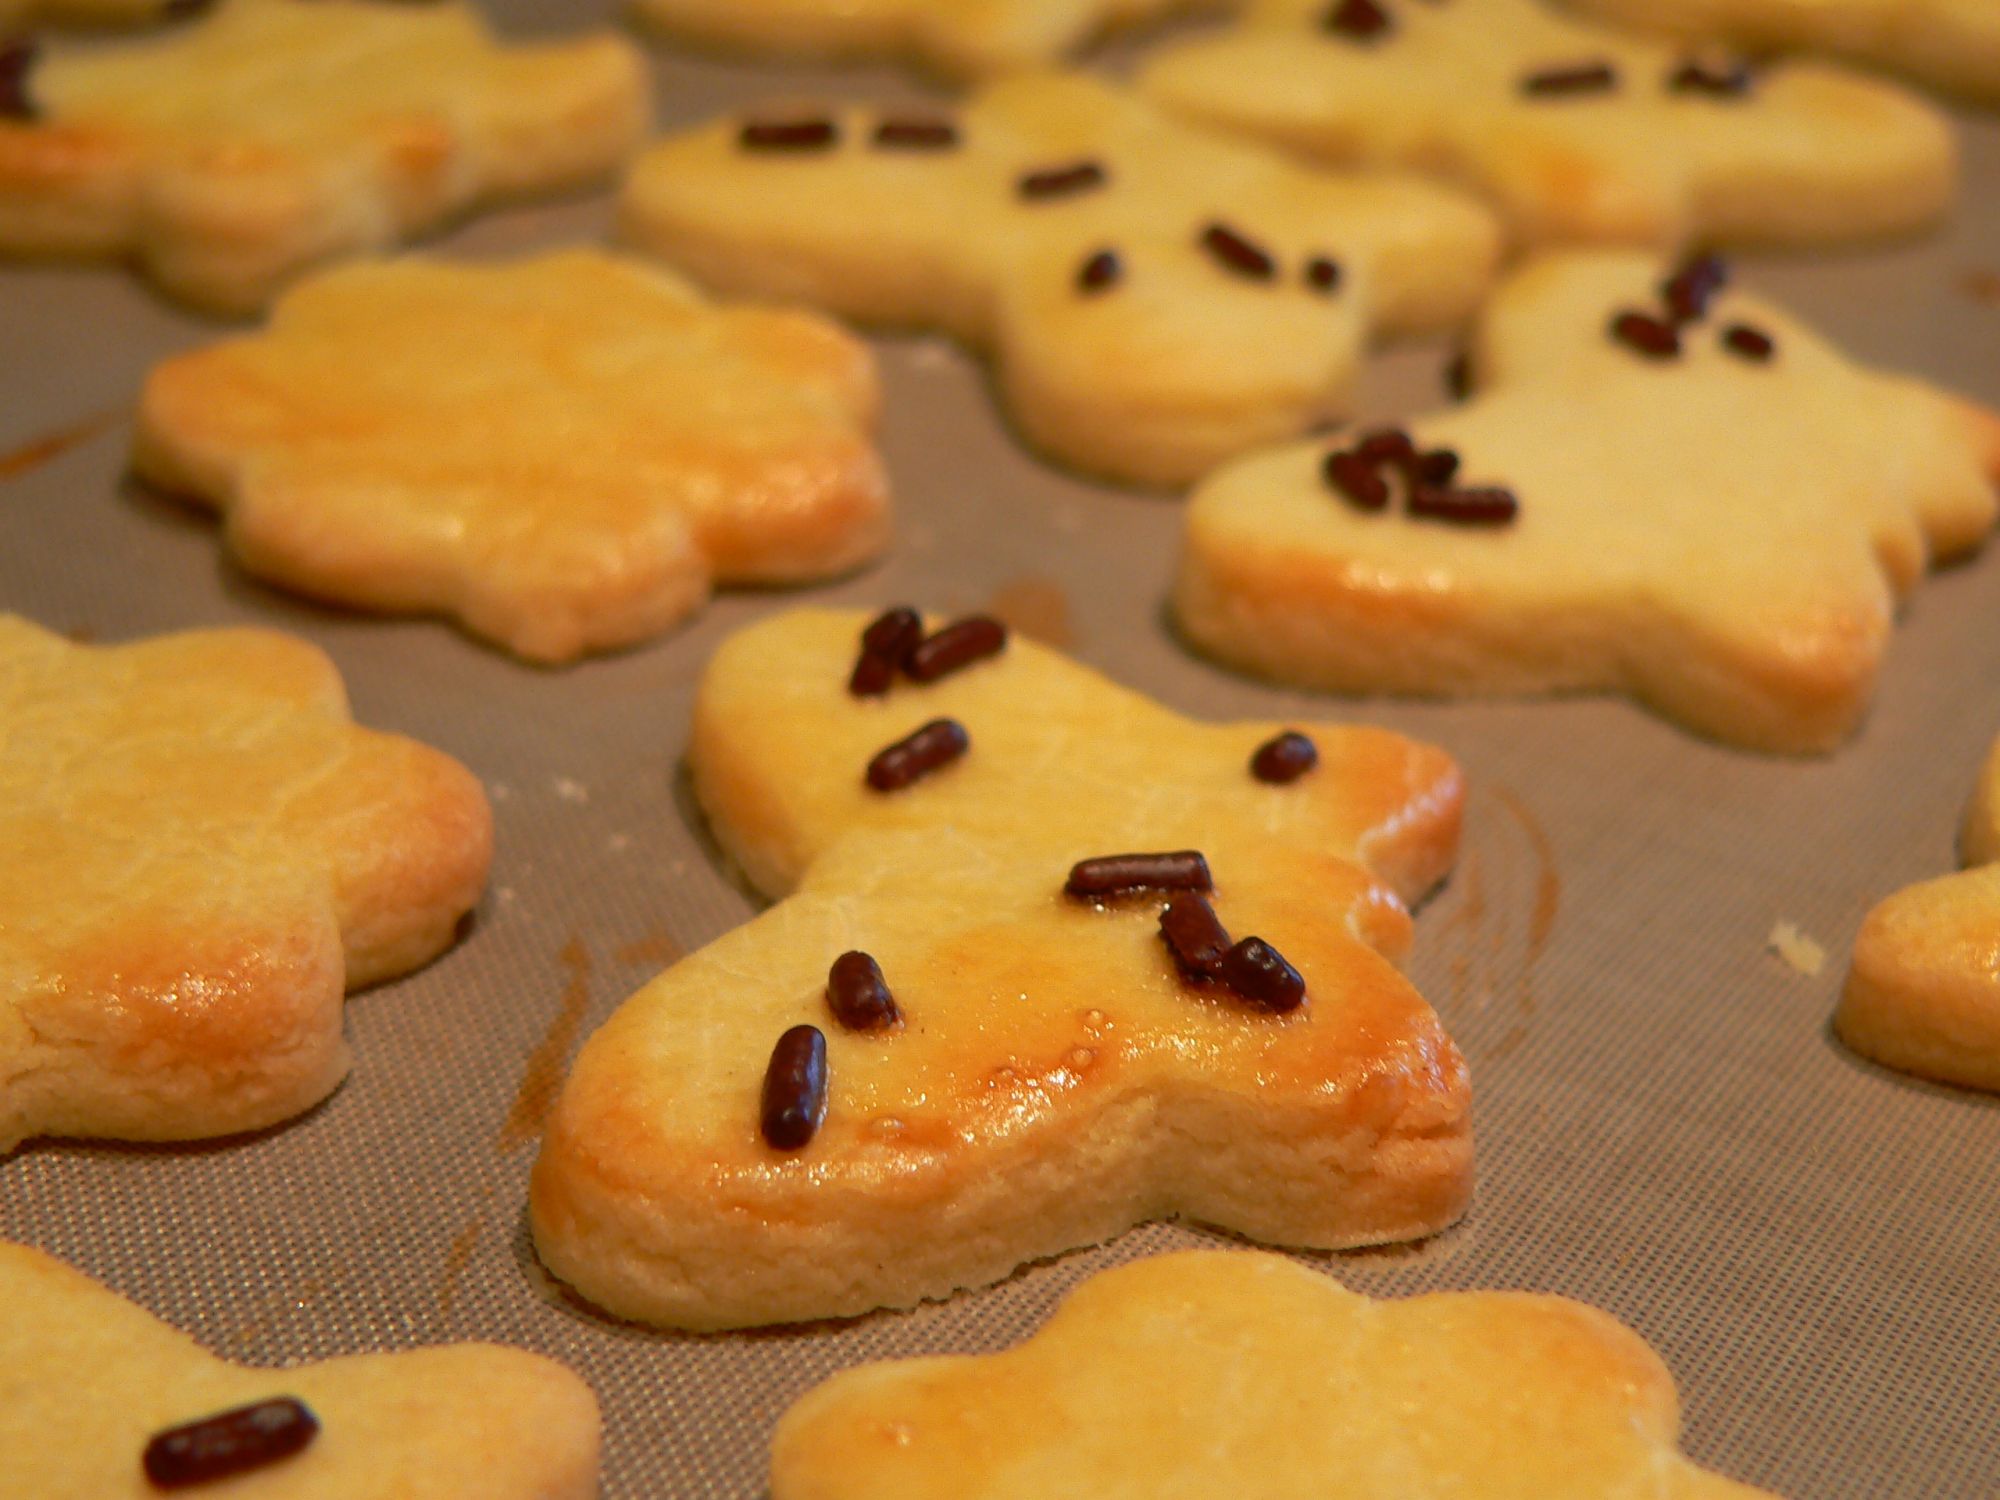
x: 227, y: 155
x: 1051, y: 960
x: 563, y: 454
x: 1952, y: 45
x: 100, y: 1400
x: 1664, y: 488
x: 1924, y: 992
x: 1154, y: 297
x: 199, y: 854
x: 1220, y: 1372
x: 1573, y: 131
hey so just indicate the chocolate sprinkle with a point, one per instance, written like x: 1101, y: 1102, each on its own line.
x: 17, y: 57
x: 885, y: 645
x: 916, y: 755
x: 1237, y: 254
x: 1649, y: 335
x: 1458, y: 375
x: 1194, y: 935
x: 959, y: 644
x: 1062, y: 182
x: 1323, y: 274
x: 1259, y: 973
x: 231, y: 1442
x: 1580, y: 78
x: 1357, y: 480
x: 1385, y: 445
x: 1362, y: 20
x: 1434, y: 467
x: 916, y: 135
x: 1689, y: 290
x: 794, y: 1102
x: 1487, y: 506
x: 1100, y: 273
x: 788, y: 135
x: 1749, y: 343
x: 1122, y: 874
x: 1719, y: 77
x: 858, y: 995
x: 1284, y: 758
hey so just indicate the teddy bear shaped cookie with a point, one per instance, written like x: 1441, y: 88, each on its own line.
x: 200, y: 853
x: 226, y: 155
x: 100, y: 1400
x: 1211, y: 1372
x: 564, y: 454
x: 1050, y: 960
x: 1662, y: 487
x: 1924, y: 992
x: 1574, y: 132
x: 1154, y: 298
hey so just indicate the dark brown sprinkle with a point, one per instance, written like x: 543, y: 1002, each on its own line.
x: 1689, y: 290
x: 915, y: 756
x: 1458, y: 375
x: 1750, y: 343
x: 788, y: 135
x: 1362, y: 20
x: 1194, y: 935
x: 1323, y: 274
x: 1122, y: 874
x: 1652, y: 337
x: 1580, y: 78
x: 1488, y: 506
x: 916, y: 135
x: 1237, y: 254
x: 885, y: 645
x: 1357, y: 480
x: 1284, y: 758
x: 858, y: 996
x: 1100, y: 272
x: 1061, y: 182
x: 1434, y: 467
x: 1258, y: 972
x: 1385, y: 445
x: 1722, y: 77
x: 17, y: 57
x: 957, y: 645
x: 794, y: 1101
x: 231, y: 1442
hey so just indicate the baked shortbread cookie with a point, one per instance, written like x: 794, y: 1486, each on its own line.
x: 1045, y: 1070
x: 1715, y: 513
x: 1154, y: 297
x: 90, y: 1382
x: 199, y: 853
x: 1573, y: 131
x: 1220, y: 1372
x: 226, y: 155
x: 1924, y: 992
x: 1946, y: 44
x: 564, y: 454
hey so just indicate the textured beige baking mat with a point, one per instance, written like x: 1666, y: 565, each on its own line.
x: 1665, y: 1126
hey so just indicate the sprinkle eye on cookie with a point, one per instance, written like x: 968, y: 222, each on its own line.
x: 1103, y: 966
x: 1153, y: 296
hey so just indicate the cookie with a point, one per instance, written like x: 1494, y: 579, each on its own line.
x: 1231, y: 1372
x: 563, y: 454
x: 1574, y: 132
x: 1154, y: 298
x: 948, y: 1050
x: 201, y: 854
x: 1663, y: 488
x: 1924, y: 992
x: 1952, y: 45
x: 474, y: 1421
x: 226, y: 155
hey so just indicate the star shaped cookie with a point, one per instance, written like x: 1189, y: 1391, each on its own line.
x: 96, y: 1394
x: 1924, y: 992
x: 1153, y: 296
x: 563, y: 454
x: 962, y: 1040
x: 1946, y: 44
x: 1573, y: 131
x: 199, y: 854
x: 1214, y: 1372
x: 1663, y: 488
x: 227, y: 155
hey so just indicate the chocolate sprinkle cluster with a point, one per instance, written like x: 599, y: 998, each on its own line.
x: 811, y: 133
x: 1686, y: 296
x: 792, y: 1105
x: 1362, y: 474
x: 895, y: 642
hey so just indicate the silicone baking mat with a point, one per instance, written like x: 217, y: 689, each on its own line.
x: 1666, y: 1127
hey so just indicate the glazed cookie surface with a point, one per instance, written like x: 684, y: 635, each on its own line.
x: 226, y: 155
x: 199, y: 854
x: 1228, y: 1372
x: 1575, y: 132
x: 1716, y: 515
x: 1048, y: 1072
x: 463, y: 1422
x: 1154, y: 297
x: 563, y: 454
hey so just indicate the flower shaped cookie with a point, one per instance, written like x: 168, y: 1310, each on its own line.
x: 563, y: 454
x: 199, y: 854
x: 1708, y: 508
x: 1575, y: 132
x: 945, y: 1052
x: 227, y: 155
x: 1155, y: 298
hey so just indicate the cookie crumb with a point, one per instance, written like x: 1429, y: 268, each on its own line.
x: 1799, y: 952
